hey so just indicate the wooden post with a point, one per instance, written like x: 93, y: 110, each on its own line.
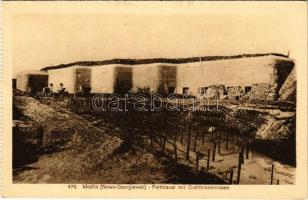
x: 164, y: 143
x: 149, y: 114
x: 219, y: 147
x: 40, y: 134
x: 175, y: 136
x: 208, y: 159
x: 182, y: 133
x: 197, y: 163
x: 272, y: 174
x: 252, y: 143
x: 214, y: 152
x: 231, y: 176
x: 247, y: 150
x: 227, y: 141
x: 175, y: 154
x: 188, y: 143
x: 203, y: 135
x: 242, y: 152
x: 196, y: 140
x: 277, y: 181
x: 239, y: 168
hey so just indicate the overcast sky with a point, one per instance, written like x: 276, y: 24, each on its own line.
x: 41, y: 40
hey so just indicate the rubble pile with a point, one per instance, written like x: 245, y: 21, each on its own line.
x: 276, y: 130
x: 261, y: 91
x: 235, y: 92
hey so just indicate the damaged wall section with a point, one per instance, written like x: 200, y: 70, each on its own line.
x: 234, y: 92
x: 261, y: 91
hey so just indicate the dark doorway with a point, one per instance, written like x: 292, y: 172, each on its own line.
x: 83, y: 80
x: 123, y: 80
x: 167, y: 75
x: 247, y: 89
x: 14, y: 83
x: 185, y: 90
x: 171, y: 90
x: 38, y: 82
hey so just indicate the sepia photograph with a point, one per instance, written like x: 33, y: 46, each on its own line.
x: 186, y: 96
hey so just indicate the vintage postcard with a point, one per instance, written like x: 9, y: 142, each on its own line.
x: 154, y: 99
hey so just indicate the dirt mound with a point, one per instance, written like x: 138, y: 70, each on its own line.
x: 62, y: 127
x: 288, y: 89
x: 81, y: 147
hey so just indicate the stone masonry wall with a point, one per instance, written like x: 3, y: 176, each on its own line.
x: 234, y: 92
x: 261, y: 91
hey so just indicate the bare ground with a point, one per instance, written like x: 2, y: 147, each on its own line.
x: 75, y: 151
x: 79, y: 150
x: 82, y: 152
